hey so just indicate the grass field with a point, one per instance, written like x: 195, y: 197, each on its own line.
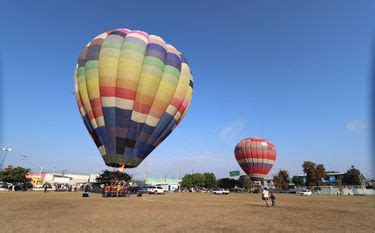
x: 183, y: 212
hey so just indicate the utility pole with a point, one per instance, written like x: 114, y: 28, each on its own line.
x: 179, y: 172
x: 6, y: 150
x: 54, y: 170
x: 23, y: 158
x: 146, y: 171
x: 179, y: 177
x: 41, y: 169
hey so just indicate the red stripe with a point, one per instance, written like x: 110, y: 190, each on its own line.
x: 96, y: 102
x: 142, y: 108
x: 176, y: 102
x: 90, y: 114
x: 107, y: 91
x: 125, y: 93
x: 256, y: 170
x: 247, y: 155
x: 97, y: 41
x: 117, y: 92
x: 79, y: 102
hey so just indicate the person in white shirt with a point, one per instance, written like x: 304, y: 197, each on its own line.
x: 265, y: 196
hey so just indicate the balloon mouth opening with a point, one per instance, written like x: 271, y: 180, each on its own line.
x: 256, y: 179
x: 120, y: 165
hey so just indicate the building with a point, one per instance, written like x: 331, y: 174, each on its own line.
x: 331, y: 179
x: 52, y: 178
x: 167, y: 183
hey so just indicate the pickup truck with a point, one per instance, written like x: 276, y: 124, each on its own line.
x: 221, y: 192
x: 155, y: 190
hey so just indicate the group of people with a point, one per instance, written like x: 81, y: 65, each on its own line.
x: 266, y: 195
x: 118, y: 189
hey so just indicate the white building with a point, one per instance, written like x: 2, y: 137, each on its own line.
x: 72, y: 179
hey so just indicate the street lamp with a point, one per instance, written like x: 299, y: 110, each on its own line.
x: 179, y: 172
x: 179, y: 177
x: 6, y: 150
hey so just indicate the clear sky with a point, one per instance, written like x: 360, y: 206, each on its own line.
x: 294, y: 72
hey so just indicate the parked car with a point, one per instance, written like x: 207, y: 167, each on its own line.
x: 220, y: 192
x: 155, y: 190
x: 304, y: 192
x: 27, y: 186
x: 4, y: 186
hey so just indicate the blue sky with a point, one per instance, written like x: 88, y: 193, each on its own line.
x: 294, y: 72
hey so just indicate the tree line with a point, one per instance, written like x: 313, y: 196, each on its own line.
x: 314, y: 175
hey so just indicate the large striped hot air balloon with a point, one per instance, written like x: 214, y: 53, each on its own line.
x: 132, y: 90
x: 256, y: 157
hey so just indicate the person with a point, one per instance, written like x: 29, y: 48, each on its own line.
x: 128, y: 193
x: 265, y: 196
x: 87, y: 188
x: 45, y: 188
x: 273, y: 199
x: 125, y: 190
x: 106, y: 190
x: 110, y: 190
x: 118, y: 188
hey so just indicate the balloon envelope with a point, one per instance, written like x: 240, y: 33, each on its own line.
x: 132, y: 90
x: 256, y: 157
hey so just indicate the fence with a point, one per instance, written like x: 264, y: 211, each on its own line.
x: 346, y: 190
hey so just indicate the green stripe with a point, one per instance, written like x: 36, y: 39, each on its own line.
x: 134, y: 46
x: 153, y: 61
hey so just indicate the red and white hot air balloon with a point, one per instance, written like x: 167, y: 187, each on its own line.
x: 256, y: 157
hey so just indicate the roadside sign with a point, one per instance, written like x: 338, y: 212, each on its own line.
x: 234, y: 173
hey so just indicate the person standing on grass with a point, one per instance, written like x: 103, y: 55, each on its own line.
x: 273, y: 199
x: 265, y: 196
x: 118, y: 188
x: 108, y: 189
x: 125, y: 190
x: 128, y: 194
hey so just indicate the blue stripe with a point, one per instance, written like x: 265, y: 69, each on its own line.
x: 173, y: 60
x: 155, y: 50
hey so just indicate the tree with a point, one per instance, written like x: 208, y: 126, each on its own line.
x: 210, y: 180
x: 353, y: 177
x: 314, y: 173
x: 198, y: 181
x: 245, y: 182
x: 14, y: 175
x: 108, y: 177
x: 281, y: 180
x: 227, y: 183
x: 187, y: 181
x: 298, y: 181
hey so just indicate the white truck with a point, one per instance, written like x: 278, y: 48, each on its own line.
x: 155, y: 190
x: 220, y: 192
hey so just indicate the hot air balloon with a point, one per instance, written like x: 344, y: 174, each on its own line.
x: 256, y: 157
x: 132, y: 90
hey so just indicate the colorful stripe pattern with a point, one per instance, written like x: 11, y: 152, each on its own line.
x: 132, y: 90
x: 256, y: 157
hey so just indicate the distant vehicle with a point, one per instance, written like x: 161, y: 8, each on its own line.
x: 155, y: 190
x: 23, y: 187
x: 220, y: 192
x: 4, y: 186
x: 304, y: 192
x: 237, y: 190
